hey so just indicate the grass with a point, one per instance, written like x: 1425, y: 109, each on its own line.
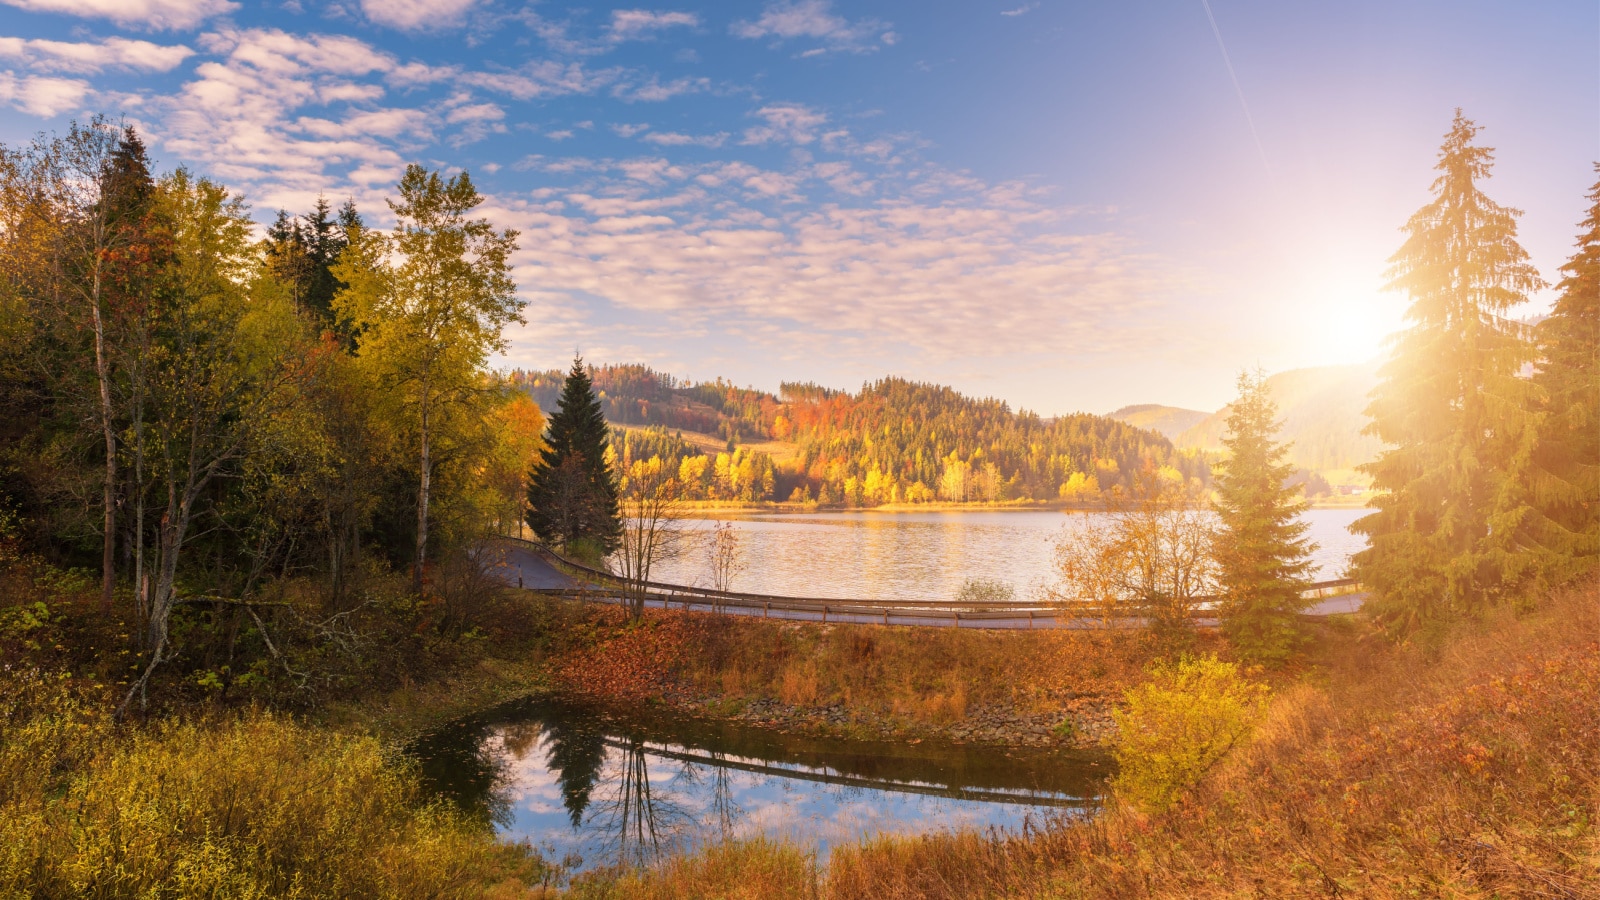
x: 902, y: 676
x: 1468, y: 769
x: 743, y: 870
x: 246, y: 806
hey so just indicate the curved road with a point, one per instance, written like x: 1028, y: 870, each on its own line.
x: 524, y: 568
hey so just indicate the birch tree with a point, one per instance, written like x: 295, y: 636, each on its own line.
x: 429, y: 303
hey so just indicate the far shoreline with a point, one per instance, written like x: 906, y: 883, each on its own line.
x: 701, y: 508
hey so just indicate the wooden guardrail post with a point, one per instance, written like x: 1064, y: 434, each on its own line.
x: 958, y: 620
x: 766, y: 609
x: 1030, y: 620
x: 824, y: 613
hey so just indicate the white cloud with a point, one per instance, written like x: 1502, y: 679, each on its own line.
x: 416, y: 15
x: 86, y: 58
x: 42, y: 96
x: 542, y: 78
x: 634, y: 24
x: 1021, y: 10
x: 653, y: 91
x: 788, y: 122
x: 750, y: 253
x: 156, y: 14
x: 675, y: 139
x: 477, y: 112
x: 814, y: 19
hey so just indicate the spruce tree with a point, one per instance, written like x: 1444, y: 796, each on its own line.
x: 1261, y: 551
x: 572, y: 494
x: 1567, y: 483
x: 1448, y: 532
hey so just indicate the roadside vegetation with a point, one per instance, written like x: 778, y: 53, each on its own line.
x: 1478, y: 779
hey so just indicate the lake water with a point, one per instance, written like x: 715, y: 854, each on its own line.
x: 591, y: 789
x: 871, y: 555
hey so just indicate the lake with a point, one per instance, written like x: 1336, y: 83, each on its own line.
x: 875, y: 555
x: 590, y: 788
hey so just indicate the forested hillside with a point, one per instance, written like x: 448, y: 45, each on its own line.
x: 1323, y: 411
x: 1169, y: 421
x: 894, y: 441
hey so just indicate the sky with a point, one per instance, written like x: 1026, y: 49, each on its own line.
x: 1069, y: 206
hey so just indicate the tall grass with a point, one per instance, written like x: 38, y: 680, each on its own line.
x: 248, y: 807
x: 1470, y: 773
x: 1466, y: 770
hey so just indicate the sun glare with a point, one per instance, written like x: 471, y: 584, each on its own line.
x: 1346, y: 314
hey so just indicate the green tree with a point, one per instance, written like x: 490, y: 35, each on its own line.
x: 220, y: 367
x: 572, y: 492
x: 1447, y: 532
x: 1568, y: 455
x: 427, y: 319
x: 1260, y: 549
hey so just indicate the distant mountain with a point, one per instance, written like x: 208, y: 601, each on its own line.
x: 1323, y: 412
x: 1169, y: 421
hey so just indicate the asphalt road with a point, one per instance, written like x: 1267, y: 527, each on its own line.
x: 526, y: 569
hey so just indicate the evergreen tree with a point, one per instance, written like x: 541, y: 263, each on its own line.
x: 1449, y: 530
x: 1261, y: 551
x: 1567, y: 489
x: 572, y: 493
x: 302, y: 251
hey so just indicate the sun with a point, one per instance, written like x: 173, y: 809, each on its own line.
x: 1346, y: 315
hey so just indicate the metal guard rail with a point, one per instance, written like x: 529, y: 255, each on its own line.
x: 869, y: 610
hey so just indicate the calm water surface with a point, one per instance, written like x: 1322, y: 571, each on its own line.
x: 868, y: 554
x: 593, y: 789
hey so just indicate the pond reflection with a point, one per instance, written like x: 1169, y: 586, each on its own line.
x: 592, y: 790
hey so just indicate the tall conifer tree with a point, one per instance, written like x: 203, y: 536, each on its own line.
x: 1567, y: 485
x: 1447, y: 533
x: 572, y: 493
x: 1261, y: 551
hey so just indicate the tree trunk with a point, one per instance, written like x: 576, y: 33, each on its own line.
x: 422, y: 499
x: 108, y: 561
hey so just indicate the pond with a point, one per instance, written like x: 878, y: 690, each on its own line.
x: 590, y: 788
x: 917, y: 555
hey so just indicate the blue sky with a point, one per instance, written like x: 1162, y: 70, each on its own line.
x: 1067, y: 205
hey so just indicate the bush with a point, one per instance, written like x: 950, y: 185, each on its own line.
x: 1178, y: 724
x: 254, y: 807
x: 985, y: 590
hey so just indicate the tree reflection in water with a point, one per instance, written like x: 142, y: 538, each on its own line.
x: 637, y: 822
x: 593, y: 790
x: 575, y: 748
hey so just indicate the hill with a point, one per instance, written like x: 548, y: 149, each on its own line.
x: 1169, y: 421
x: 1323, y: 412
x: 894, y: 441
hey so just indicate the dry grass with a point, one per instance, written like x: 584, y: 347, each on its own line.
x: 249, y: 807
x: 913, y: 675
x: 1472, y: 774
x: 1468, y: 771
x: 758, y: 869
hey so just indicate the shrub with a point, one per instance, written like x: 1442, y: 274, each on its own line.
x: 985, y: 590
x: 1178, y: 724
x: 254, y: 807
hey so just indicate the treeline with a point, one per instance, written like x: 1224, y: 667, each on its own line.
x: 903, y: 441
x: 895, y: 441
x: 193, y: 412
